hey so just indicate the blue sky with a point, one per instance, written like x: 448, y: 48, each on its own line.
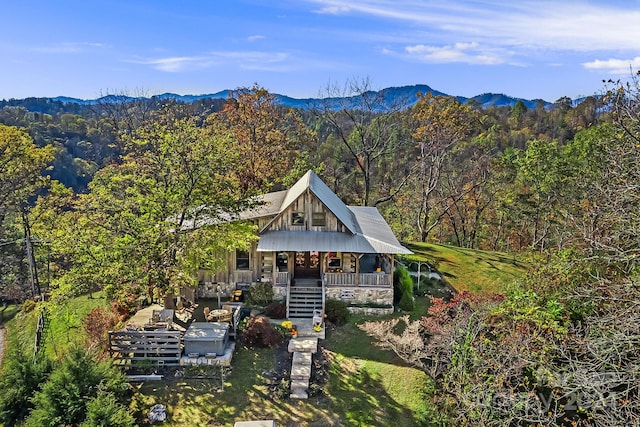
x: 529, y: 49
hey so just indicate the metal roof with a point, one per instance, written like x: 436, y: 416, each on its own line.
x: 376, y: 237
x: 267, y: 205
x: 303, y: 241
x: 368, y: 231
x: 376, y: 230
x: 310, y: 181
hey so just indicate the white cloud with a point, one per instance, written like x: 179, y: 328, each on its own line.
x: 614, y: 66
x: 469, y: 53
x: 255, y: 38
x: 68, y: 47
x: 334, y: 9
x: 177, y: 64
x: 579, y: 25
x: 251, y: 60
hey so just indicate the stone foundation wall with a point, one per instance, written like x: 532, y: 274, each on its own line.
x: 370, y: 311
x: 361, y: 295
x: 209, y: 289
x: 279, y: 293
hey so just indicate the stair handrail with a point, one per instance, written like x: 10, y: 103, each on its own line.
x: 323, y: 296
x: 288, y: 295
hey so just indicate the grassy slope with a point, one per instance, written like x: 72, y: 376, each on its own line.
x: 469, y: 269
x: 65, y: 328
x: 366, y: 386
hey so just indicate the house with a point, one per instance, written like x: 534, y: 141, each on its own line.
x: 312, y: 247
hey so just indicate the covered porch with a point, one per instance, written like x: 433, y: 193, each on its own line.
x: 331, y: 268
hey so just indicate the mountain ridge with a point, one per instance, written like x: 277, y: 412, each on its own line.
x: 407, y: 95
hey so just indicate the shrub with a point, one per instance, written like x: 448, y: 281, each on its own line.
x: 28, y: 306
x: 407, y: 302
x: 258, y: 331
x: 276, y: 310
x: 402, y: 282
x: 63, y: 398
x: 97, y: 323
x: 124, y: 304
x: 20, y: 379
x: 261, y: 294
x: 336, y: 312
x: 106, y: 411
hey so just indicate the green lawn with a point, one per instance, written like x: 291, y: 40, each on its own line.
x: 366, y: 386
x: 8, y: 312
x: 65, y: 325
x: 469, y: 269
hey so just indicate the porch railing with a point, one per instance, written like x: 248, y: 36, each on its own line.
x: 363, y: 279
x: 243, y: 276
x: 375, y: 279
x: 282, y: 277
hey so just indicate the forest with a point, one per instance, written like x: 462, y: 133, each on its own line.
x: 101, y: 197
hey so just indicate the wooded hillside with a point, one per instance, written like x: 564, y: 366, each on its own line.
x: 103, y: 198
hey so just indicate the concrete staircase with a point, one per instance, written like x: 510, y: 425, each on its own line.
x: 302, y: 349
x: 303, y: 299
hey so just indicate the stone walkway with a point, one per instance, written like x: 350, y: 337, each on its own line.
x: 303, y: 347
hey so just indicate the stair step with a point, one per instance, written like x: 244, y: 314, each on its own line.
x: 304, y: 306
x: 300, y: 357
x: 299, y: 395
x: 309, y: 345
x: 297, y: 385
x: 301, y: 372
x: 307, y: 287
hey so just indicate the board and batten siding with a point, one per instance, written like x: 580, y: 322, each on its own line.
x: 306, y: 204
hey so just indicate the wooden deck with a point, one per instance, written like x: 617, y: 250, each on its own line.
x: 132, y: 346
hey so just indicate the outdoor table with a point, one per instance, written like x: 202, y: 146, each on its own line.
x: 217, y: 314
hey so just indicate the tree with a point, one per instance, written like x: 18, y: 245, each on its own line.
x: 265, y: 138
x: 441, y: 122
x: 152, y: 219
x: 21, y: 166
x: 369, y: 127
x: 71, y: 389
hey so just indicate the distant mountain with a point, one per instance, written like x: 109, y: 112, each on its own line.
x: 487, y: 100
x: 405, y: 96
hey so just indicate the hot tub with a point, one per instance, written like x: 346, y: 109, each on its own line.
x: 205, y: 338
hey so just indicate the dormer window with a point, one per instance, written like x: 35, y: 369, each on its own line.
x: 318, y: 219
x: 297, y: 218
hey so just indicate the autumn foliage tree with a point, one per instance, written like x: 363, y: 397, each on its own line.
x: 440, y: 123
x: 264, y: 138
x: 152, y: 219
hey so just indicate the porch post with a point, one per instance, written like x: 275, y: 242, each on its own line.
x: 358, y: 269
x: 274, y: 268
x: 393, y: 268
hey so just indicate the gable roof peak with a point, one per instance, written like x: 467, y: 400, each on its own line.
x: 312, y: 182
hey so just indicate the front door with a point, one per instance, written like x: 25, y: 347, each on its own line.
x: 307, y: 264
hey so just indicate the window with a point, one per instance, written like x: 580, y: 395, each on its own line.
x: 334, y: 261
x: 242, y: 260
x: 297, y: 218
x: 282, y: 260
x: 318, y: 219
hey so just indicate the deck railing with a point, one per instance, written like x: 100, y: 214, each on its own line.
x: 361, y: 279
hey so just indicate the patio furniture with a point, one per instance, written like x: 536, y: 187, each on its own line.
x: 219, y: 315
